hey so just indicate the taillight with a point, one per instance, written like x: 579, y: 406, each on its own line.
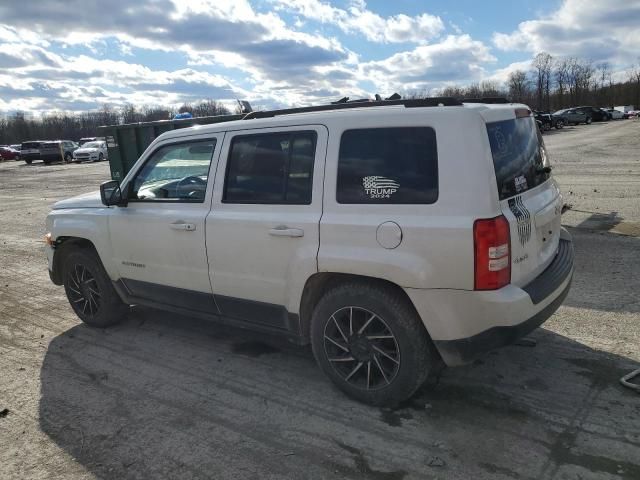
x: 492, y: 242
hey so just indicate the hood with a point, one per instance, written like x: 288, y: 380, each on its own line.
x: 86, y: 150
x: 86, y: 200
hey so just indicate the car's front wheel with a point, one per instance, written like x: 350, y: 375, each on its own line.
x: 588, y: 121
x: 89, y: 290
x: 68, y: 157
x: 369, y: 340
x: 100, y: 157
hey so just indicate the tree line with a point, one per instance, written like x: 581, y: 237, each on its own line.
x: 554, y: 83
x: 20, y: 127
x: 550, y: 84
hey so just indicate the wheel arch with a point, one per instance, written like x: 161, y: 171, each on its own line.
x: 64, y: 246
x: 319, y: 283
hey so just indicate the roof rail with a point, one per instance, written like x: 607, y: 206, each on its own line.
x: 413, y: 103
x: 486, y: 100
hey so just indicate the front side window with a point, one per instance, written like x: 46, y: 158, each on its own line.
x: 271, y: 168
x: 175, y: 172
x: 388, y: 166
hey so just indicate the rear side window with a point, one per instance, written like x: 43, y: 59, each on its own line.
x: 388, y: 166
x: 271, y: 168
x: 519, y: 155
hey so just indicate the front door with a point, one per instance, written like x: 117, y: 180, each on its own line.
x: 158, y: 239
x: 263, y: 229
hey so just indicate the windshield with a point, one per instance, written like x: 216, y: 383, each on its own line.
x: 92, y: 145
x: 519, y: 155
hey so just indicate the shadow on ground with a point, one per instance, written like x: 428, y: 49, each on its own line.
x: 162, y: 396
x: 607, y: 266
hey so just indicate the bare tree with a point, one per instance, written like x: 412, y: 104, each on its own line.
x: 542, y: 65
x: 634, y: 78
x: 518, y: 86
x: 561, y: 74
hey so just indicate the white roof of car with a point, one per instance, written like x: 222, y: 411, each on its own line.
x: 488, y: 111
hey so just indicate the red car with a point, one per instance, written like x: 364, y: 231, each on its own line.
x: 8, y: 153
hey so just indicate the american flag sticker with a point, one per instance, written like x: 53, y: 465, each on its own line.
x: 376, y: 186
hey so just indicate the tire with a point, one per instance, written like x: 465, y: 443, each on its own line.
x: 547, y: 127
x: 391, y: 368
x: 17, y: 158
x: 559, y: 124
x: 100, y: 157
x: 28, y: 161
x: 89, y: 290
x: 588, y: 121
x: 68, y: 158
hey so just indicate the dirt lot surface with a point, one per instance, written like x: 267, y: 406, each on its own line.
x: 163, y: 396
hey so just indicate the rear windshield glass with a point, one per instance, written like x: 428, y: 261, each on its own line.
x: 519, y: 155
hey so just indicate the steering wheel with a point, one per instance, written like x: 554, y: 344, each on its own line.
x: 191, y: 180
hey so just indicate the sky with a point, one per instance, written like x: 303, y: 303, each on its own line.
x: 78, y: 55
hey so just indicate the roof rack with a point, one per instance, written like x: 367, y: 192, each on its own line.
x: 343, y: 105
x: 486, y: 100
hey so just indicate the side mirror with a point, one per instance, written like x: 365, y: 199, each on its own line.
x: 111, y: 194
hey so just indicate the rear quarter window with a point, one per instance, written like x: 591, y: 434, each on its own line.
x: 388, y: 166
x: 519, y: 155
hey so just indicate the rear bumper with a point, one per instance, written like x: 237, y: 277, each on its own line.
x: 465, y: 350
x: 466, y: 324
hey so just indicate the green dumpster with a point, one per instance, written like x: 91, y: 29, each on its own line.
x: 125, y: 143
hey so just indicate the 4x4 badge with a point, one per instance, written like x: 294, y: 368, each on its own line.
x: 379, y: 187
x: 523, y: 217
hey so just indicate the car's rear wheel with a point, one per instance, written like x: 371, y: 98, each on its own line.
x: 89, y: 290
x: 588, y: 121
x: 100, y: 157
x: 68, y: 157
x: 369, y: 340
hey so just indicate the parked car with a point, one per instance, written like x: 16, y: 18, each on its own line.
x: 593, y: 114
x: 549, y: 120
x: 30, y: 151
x: 311, y: 224
x: 16, y: 146
x: 572, y: 117
x: 617, y: 114
x: 58, y: 150
x: 93, y: 151
x: 9, y: 153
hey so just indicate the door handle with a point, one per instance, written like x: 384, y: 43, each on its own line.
x: 189, y: 227
x: 284, y: 231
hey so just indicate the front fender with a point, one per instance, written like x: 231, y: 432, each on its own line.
x: 85, y: 223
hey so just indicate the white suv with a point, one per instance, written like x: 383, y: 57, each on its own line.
x: 390, y: 235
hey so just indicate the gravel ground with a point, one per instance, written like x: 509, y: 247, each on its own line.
x: 163, y: 396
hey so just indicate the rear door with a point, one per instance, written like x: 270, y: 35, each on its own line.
x: 529, y: 197
x: 263, y: 228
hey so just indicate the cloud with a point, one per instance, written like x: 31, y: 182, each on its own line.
x: 359, y: 19
x: 195, y: 28
x: 600, y: 30
x: 457, y: 58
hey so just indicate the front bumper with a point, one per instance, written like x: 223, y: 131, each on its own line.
x: 85, y: 157
x: 466, y: 324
